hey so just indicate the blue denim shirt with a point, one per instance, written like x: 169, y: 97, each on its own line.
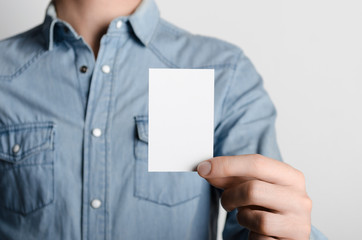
x: 74, y: 132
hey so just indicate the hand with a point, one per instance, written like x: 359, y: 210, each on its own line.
x: 270, y: 195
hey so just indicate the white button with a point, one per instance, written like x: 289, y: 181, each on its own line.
x: 119, y: 24
x: 96, y: 132
x: 106, y: 69
x: 16, y: 148
x: 96, y: 203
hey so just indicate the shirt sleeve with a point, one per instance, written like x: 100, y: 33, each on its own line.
x: 248, y: 115
x: 247, y: 127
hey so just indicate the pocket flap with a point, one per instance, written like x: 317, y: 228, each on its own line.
x: 142, y: 127
x: 19, y: 141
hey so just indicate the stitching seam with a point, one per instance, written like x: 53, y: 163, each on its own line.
x: 22, y: 69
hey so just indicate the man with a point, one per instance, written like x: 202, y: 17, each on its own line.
x: 74, y: 133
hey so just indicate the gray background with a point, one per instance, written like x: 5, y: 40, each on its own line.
x: 310, y: 55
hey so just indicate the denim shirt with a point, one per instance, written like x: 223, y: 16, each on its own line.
x: 74, y: 132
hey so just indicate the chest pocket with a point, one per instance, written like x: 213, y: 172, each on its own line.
x: 26, y: 166
x: 163, y: 188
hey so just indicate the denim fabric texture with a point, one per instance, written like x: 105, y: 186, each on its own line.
x: 53, y: 164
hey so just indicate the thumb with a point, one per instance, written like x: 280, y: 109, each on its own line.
x: 204, y: 168
x: 211, y: 171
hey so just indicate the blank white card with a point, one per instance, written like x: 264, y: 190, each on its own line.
x: 181, y: 118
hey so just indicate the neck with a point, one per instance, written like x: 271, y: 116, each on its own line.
x: 90, y: 18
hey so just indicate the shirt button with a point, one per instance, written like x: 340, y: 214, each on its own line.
x: 16, y: 148
x: 96, y: 132
x: 96, y: 203
x: 119, y: 24
x: 106, y: 69
x: 83, y: 69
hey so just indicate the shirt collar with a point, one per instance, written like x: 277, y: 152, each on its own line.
x: 143, y: 21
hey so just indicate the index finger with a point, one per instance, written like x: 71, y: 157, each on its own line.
x: 249, y: 166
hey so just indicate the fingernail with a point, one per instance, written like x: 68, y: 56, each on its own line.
x: 204, y: 168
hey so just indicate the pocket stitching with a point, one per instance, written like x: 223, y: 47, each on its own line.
x: 29, y: 152
x: 45, y: 146
x: 40, y: 206
x: 141, y: 121
x: 136, y: 194
x: 142, y: 138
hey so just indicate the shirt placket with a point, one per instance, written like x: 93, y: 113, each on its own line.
x: 85, y: 65
x: 94, y: 216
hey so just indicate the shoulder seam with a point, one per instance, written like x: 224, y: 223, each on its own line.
x: 161, y: 56
x: 168, y: 62
x: 23, y: 68
x: 173, y: 65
